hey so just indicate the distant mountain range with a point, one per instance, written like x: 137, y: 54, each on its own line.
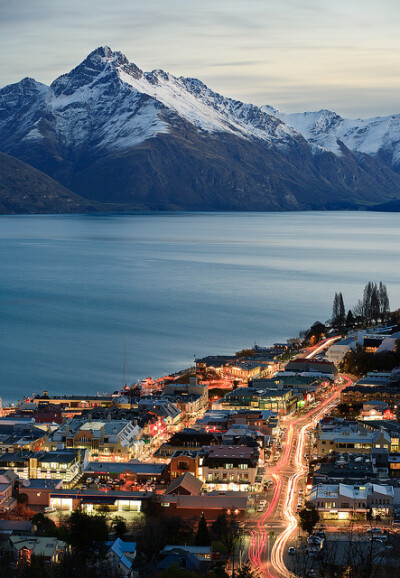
x: 112, y: 137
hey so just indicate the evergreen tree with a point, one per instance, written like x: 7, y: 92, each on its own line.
x: 335, y: 309
x: 202, y: 535
x: 367, y: 301
x: 383, y: 301
x: 341, y: 311
x: 350, y: 319
x: 374, y: 303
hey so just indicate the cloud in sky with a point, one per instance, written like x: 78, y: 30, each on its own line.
x: 292, y: 54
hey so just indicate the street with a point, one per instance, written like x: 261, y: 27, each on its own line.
x: 276, y: 526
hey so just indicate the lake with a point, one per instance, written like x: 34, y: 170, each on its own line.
x: 75, y: 288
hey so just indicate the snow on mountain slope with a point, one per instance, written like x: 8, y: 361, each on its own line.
x: 107, y: 102
x: 206, y: 109
x: 326, y: 128
x: 21, y: 102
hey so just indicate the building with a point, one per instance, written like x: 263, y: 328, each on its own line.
x: 16, y: 527
x: 211, y: 505
x: 185, y: 485
x: 337, y: 351
x: 18, y: 434
x: 101, y: 437
x: 23, y: 547
x: 188, y: 439
x: 359, y: 394
x: 169, y: 412
x: 120, y: 556
x: 229, y: 467
x: 65, y: 465
x: 7, y: 502
x: 38, y: 491
x: 391, y: 427
x: 348, y: 468
x: 136, y: 472
x: 279, y: 401
x: 375, y: 410
x: 375, y: 378
x: 75, y: 402
x: 91, y: 500
x: 343, y: 502
x: 304, y: 365
x: 190, y: 558
x: 191, y: 397
x: 183, y: 461
x: 352, y: 438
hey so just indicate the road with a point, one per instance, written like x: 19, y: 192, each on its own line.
x: 280, y: 514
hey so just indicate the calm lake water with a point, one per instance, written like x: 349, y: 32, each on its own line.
x: 74, y: 289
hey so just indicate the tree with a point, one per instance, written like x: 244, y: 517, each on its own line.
x: 119, y: 526
x: 374, y: 303
x: 294, y: 342
x: 316, y: 332
x: 342, y: 311
x: 308, y: 518
x: 245, y: 353
x: 358, y: 310
x: 335, y: 309
x: 383, y: 301
x: 226, y: 529
x: 202, y: 535
x: 350, y: 321
x: 367, y: 301
x: 85, y: 531
x: 44, y: 525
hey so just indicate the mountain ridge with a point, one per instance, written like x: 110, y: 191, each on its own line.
x: 112, y: 133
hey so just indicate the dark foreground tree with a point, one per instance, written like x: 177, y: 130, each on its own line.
x: 308, y: 518
x: 350, y: 321
x: 119, y: 526
x: 202, y: 535
x: 85, y: 531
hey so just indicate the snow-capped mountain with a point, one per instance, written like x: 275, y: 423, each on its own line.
x: 379, y: 136
x: 113, y: 133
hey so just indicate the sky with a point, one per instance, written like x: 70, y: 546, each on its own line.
x: 295, y: 55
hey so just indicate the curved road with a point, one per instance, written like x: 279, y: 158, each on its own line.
x: 281, y: 510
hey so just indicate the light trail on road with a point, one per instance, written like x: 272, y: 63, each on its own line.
x: 259, y: 538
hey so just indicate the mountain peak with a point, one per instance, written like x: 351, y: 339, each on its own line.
x: 101, y: 62
x: 105, y: 53
x: 25, y: 86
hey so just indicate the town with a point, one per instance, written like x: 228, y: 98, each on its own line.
x: 273, y: 461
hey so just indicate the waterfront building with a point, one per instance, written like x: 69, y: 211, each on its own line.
x: 18, y: 434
